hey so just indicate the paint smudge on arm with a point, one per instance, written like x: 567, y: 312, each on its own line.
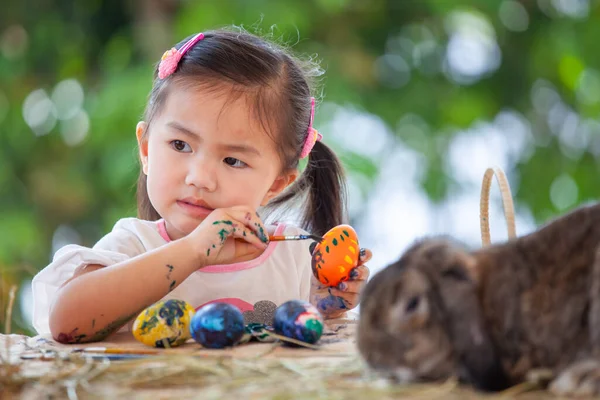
x: 110, y: 328
x: 71, y: 337
x: 173, y: 282
x: 74, y: 336
x: 170, y: 267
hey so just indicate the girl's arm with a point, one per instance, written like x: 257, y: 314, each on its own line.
x: 98, y: 300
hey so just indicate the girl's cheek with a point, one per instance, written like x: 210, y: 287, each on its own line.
x: 162, y: 178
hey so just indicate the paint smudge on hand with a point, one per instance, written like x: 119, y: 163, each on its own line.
x: 261, y: 233
x: 331, y: 304
x: 223, y: 234
x: 226, y: 222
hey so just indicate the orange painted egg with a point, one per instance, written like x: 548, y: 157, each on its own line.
x: 334, y: 258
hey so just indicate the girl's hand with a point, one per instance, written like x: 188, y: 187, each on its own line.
x: 333, y: 302
x: 228, y: 234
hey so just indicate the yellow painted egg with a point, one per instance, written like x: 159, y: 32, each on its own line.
x: 334, y: 258
x: 165, y: 323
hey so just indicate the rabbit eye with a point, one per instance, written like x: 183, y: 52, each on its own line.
x: 456, y: 273
x: 413, y: 303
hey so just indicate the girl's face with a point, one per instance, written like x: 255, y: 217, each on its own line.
x: 204, y: 151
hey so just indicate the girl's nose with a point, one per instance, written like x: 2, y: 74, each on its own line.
x: 202, y: 175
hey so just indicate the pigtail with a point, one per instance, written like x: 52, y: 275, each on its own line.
x: 318, y: 197
x: 325, y: 201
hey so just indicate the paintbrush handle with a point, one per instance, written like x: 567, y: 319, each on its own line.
x: 281, y: 238
x: 108, y: 350
x: 294, y: 237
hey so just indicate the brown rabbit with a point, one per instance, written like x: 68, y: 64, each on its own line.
x: 490, y: 316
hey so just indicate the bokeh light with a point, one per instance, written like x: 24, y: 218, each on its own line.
x: 419, y: 98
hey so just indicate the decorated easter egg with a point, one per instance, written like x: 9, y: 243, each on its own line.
x: 300, y: 320
x: 164, y: 324
x: 334, y: 258
x: 217, y: 325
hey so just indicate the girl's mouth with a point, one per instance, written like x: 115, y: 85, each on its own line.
x: 195, y: 210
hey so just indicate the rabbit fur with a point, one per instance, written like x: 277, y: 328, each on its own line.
x: 491, y: 315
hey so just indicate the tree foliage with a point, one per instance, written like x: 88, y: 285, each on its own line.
x: 74, y: 77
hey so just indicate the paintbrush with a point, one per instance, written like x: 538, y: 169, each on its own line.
x: 109, y: 350
x: 104, y: 352
x: 275, y: 238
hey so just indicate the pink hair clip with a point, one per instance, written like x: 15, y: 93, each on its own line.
x: 312, y: 136
x: 170, y: 59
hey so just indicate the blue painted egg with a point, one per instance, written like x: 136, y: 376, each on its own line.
x: 299, y: 320
x: 217, y: 325
x: 165, y: 323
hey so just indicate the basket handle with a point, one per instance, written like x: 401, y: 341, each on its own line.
x: 507, y: 202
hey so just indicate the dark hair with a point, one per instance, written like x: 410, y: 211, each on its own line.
x: 276, y: 81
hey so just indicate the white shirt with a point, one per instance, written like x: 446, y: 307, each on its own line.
x: 283, y: 272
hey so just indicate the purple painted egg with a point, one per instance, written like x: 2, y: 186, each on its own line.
x: 300, y: 320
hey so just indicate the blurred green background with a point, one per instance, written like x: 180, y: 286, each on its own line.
x: 420, y: 96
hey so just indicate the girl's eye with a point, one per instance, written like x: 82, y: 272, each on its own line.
x: 181, y: 146
x: 234, y: 162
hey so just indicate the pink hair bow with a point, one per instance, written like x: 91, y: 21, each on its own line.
x: 312, y: 136
x: 170, y: 59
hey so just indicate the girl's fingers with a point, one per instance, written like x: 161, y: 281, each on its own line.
x: 349, y: 300
x: 239, y: 224
x: 243, y: 233
x: 351, y: 286
x: 365, y: 256
x: 251, y: 220
x: 360, y: 273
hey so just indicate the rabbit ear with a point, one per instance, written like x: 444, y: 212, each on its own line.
x: 483, y: 369
x: 476, y: 352
x: 463, y: 268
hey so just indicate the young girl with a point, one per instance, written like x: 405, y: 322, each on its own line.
x: 227, y: 121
